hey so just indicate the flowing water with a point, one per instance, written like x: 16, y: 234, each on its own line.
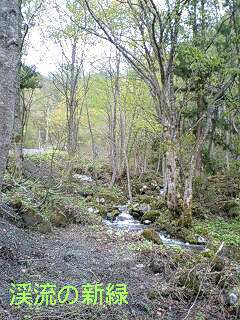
x: 125, y: 221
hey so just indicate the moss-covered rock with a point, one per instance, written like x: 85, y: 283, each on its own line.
x: 44, y: 227
x: 156, y: 265
x: 111, y: 197
x: 187, y: 234
x: 59, y: 219
x: 139, y: 209
x: 113, y: 214
x: 152, y: 215
x: 30, y: 217
x: 153, y: 294
x: 218, y: 263
x: 189, y: 280
x: 151, y: 235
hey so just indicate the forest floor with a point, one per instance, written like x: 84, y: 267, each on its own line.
x: 162, y: 282
x: 77, y: 255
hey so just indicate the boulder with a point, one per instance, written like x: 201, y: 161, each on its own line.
x: 156, y: 265
x: 30, y: 217
x: 201, y: 240
x: 189, y: 280
x: 144, y: 207
x: 140, y: 209
x: 147, y: 222
x: 151, y: 215
x: 44, y: 227
x: 143, y: 189
x: 113, y: 214
x: 151, y: 235
x: 59, y: 219
x: 218, y: 264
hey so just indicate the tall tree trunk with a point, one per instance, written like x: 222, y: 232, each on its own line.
x: 72, y: 105
x: 18, y: 142
x: 94, y: 153
x: 188, y: 193
x: 201, y: 107
x: 113, y: 133
x: 10, y: 28
x: 18, y: 129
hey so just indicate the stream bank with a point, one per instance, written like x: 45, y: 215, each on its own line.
x: 125, y: 221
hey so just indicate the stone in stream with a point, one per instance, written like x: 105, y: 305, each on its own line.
x: 152, y: 235
x: 140, y: 209
x: 112, y: 215
x: 147, y: 222
x: 201, y: 240
x: 124, y: 216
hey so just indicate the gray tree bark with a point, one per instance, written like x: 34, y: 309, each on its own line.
x: 10, y: 42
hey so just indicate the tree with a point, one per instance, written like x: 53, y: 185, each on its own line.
x: 153, y: 34
x: 29, y: 82
x: 73, y: 45
x: 149, y: 34
x: 10, y: 43
x: 30, y: 10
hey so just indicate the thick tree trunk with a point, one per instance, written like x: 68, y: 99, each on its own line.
x: 171, y: 180
x: 9, y: 82
x: 188, y: 194
x: 170, y: 166
x: 18, y: 125
x: 18, y: 129
x: 18, y: 144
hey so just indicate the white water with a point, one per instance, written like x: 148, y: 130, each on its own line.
x: 125, y: 221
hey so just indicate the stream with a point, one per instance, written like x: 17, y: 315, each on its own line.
x: 125, y: 221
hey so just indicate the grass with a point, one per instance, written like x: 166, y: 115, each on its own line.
x: 143, y: 246
x: 221, y: 230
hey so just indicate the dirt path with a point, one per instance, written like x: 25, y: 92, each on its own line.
x: 75, y: 255
x: 78, y: 254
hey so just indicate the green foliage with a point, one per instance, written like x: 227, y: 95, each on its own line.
x: 195, y: 64
x: 29, y: 78
x: 221, y: 230
x: 143, y: 246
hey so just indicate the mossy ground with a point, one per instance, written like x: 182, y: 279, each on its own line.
x: 102, y: 254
